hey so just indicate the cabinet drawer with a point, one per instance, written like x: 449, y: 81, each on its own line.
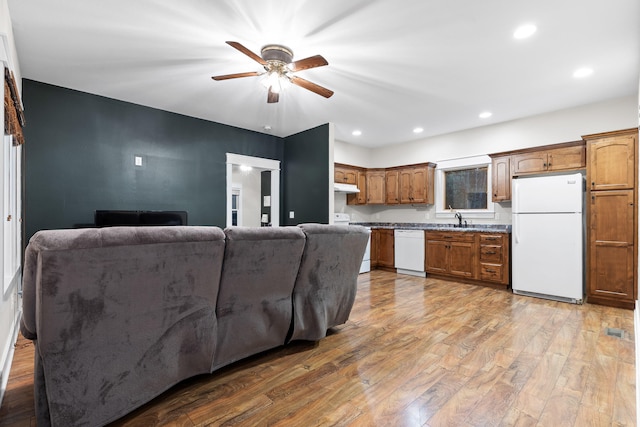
x: 491, y: 253
x: 452, y: 236
x: 491, y: 272
x: 491, y: 239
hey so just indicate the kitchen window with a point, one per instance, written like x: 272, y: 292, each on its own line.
x: 464, y: 186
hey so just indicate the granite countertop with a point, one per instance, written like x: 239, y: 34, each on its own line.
x: 491, y: 228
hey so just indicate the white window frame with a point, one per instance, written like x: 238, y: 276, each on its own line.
x: 11, y: 189
x: 458, y: 164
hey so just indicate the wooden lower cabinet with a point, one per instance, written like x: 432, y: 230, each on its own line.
x: 450, y: 253
x: 468, y: 255
x: 611, y: 248
x: 494, y: 258
x: 382, y: 248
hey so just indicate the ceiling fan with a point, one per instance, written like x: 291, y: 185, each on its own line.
x: 279, y: 68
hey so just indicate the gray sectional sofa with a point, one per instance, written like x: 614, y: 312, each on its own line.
x: 119, y: 315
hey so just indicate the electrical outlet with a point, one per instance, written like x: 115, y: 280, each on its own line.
x: 291, y: 215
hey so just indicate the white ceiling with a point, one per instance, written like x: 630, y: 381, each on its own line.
x: 393, y: 64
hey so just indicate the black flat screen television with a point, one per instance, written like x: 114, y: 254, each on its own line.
x: 111, y: 218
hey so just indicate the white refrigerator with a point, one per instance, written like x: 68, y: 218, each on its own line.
x: 548, y: 237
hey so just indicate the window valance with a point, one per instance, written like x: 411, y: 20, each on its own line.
x: 13, y: 113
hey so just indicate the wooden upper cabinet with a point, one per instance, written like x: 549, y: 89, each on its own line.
x: 416, y: 184
x: 361, y: 197
x: 376, y: 193
x: 501, y: 178
x: 529, y: 162
x: 611, y: 160
x: 544, y: 159
x: 405, y: 180
x: 392, y: 187
x: 412, y: 184
x: 568, y: 157
x: 345, y: 174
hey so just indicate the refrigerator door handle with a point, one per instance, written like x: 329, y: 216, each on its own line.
x: 515, y: 229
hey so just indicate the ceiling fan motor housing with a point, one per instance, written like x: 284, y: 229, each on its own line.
x: 277, y: 53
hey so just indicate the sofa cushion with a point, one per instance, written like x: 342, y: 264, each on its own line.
x: 325, y: 288
x: 254, y: 303
x: 120, y: 315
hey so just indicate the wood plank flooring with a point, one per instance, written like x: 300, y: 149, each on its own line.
x: 415, y: 352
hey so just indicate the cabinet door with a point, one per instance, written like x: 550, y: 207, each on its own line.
x: 386, y: 248
x: 529, y: 162
x: 362, y: 186
x: 375, y: 187
x: 566, y: 158
x: 436, y: 256
x: 611, y: 163
x: 501, y: 178
x: 345, y: 175
x: 361, y: 197
x: 462, y: 259
x: 405, y: 179
x: 375, y: 243
x: 420, y: 185
x: 611, y: 236
x: 391, y: 183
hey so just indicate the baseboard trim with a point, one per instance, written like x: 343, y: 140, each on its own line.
x: 636, y: 325
x: 8, y: 358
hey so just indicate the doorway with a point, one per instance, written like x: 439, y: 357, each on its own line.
x: 270, y: 201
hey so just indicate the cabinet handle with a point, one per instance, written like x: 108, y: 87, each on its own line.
x: 593, y: 183
x: 448, y: 237
x: 490, y: 252
x: 488, y: 270
x: 544, y: 165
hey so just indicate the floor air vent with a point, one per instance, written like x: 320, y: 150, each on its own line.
x: 614, y: 332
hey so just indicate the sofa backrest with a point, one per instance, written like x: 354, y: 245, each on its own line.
x: 326, y: 284
x: 254, y: 303
x: 125, y: 312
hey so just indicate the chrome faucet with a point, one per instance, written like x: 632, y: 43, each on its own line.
x: 459, y: 216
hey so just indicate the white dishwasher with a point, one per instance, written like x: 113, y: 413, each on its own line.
x: 409, y: 252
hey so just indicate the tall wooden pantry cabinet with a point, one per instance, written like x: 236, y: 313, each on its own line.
x: 612, y: 218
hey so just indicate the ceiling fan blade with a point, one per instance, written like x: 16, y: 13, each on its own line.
x: 305, y: 64
x: 322, y: 91
x: 247, y: 52
x: 272, y: 96
x: 236, y: 75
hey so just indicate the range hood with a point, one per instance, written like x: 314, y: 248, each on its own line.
x: 339, y: 187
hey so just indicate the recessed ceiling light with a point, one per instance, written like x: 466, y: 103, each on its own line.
x: 582, y: 72
x: 524, y: 31
x: 418, y: 130
x: 356, y: 133
x: 485, y: 114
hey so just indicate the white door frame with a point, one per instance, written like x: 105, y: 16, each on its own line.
x: 255, y: 162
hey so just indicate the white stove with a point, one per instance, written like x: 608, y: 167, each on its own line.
x: 344, y: 219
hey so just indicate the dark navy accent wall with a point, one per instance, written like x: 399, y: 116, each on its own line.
x: 306, y: 166
x: 79, y: 157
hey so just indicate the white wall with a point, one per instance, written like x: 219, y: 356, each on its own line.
x: 550, y: 128
x: 9, y: 301
x: 251, y: 196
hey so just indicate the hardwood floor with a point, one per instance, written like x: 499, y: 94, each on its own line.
x: 415, y: 352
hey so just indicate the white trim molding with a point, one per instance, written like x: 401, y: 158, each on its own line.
x: 462, y: 163
x: 255, y: 162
